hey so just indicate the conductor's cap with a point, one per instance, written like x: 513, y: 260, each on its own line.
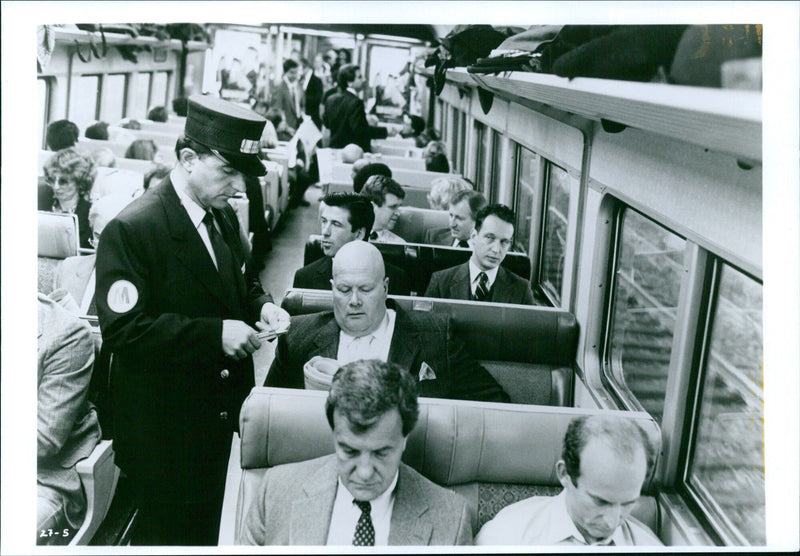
x: 230, y: 130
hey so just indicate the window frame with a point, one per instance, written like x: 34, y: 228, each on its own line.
x: 620, y: 393
x: 554, y: 297
x: 714, y: 521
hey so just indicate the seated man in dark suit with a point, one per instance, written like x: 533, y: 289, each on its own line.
x: 463, y: 210
x: 481, y: 278
x: 344, y: 217
x: 362, y: 327
x: 362, y: 495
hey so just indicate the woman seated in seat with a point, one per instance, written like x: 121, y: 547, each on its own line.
x: 68, y: 179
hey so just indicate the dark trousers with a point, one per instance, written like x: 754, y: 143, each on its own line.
x: 160, y: 523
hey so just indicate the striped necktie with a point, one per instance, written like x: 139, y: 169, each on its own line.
x: 482, y: 288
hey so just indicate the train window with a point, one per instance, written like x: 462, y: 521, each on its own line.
x: 454, y: 139
x: 527, y: 183
x: 647, y: 278
x: 726, y: 471
x: 84, y: 100
x: 142, y: 94
x: 481, y: 150
x: 462, y: 142
x: 158, y: 96
x: 554, y: 232
x: 113, y: 107
x: 44, y: 88
x: 493, y: 183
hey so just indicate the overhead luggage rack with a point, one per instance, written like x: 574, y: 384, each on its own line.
x: 724, y: 120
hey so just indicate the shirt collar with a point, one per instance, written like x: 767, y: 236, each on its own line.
x: 352, y: 91
x: 195, y: 211
x: 564, y: 528
x: 474, y: 271
x: 383, y: 327
x: 383, y: 502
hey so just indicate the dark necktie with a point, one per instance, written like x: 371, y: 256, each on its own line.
x: 482, y: 289
x: 365, y: 532
x: 463, y: 243
x: 223, y: 255
x: 373, y: 236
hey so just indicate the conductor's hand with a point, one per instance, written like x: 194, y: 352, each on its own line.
x: 273, y: 319
x: 238, y: 339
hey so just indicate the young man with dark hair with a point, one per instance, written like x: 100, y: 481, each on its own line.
x: 482, y: 278
x: 344, y: 217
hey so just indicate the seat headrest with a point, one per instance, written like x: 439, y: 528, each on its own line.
x: 58, y: 235
x: 521, y: 333
x: 454, y: 442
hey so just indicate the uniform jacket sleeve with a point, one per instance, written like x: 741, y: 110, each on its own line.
x: 138, y: 332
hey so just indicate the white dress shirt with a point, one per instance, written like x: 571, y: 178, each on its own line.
x: 544, y: 520
x: 370, y: 346
x: 294, y: 92
x: 345, y: 516
x: 196, y: 214
x: 473, y: 276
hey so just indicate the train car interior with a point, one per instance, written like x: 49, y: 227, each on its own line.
x: 639, y: 217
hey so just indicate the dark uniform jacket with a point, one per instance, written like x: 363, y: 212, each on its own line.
x: 453, y: 283
x: 313, y: 97
x: 176, y: 396
x: 318, y: 274
x: 345, y: 117
x: 422, y: 343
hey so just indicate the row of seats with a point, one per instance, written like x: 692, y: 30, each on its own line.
x: 529, y: 350
x: 492, y: 454
x: 421, y: 261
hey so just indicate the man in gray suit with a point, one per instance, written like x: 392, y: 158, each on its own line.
x: 362, y: 495
x: 481, y: 278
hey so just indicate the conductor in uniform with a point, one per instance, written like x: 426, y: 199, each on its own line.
x: 182, y: 317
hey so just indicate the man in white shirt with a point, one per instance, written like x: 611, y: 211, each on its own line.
x: 482, y: 278
x: 288, y: 97
x: 462, y: 210
x: 387, y: 196
x: 605, y: 461
x: 362, y: 494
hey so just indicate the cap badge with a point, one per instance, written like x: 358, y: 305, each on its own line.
x: 249, y: 146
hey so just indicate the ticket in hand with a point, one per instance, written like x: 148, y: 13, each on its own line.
x: 269, y: 335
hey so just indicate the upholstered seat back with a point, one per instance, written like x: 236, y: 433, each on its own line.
x: 529, y: 350
x: 413, y: 222
x: 421, y: 261
x: 482, y: 450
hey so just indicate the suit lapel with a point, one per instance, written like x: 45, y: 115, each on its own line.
x: 189, y: 248
x: 408, y: 525
x: 311, y: 515
x: 459, y: 286
x: 405, y: 341
x: 501, y: 287
x: 327, y: 340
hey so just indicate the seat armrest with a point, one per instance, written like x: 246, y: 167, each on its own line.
x: 99, y: 478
